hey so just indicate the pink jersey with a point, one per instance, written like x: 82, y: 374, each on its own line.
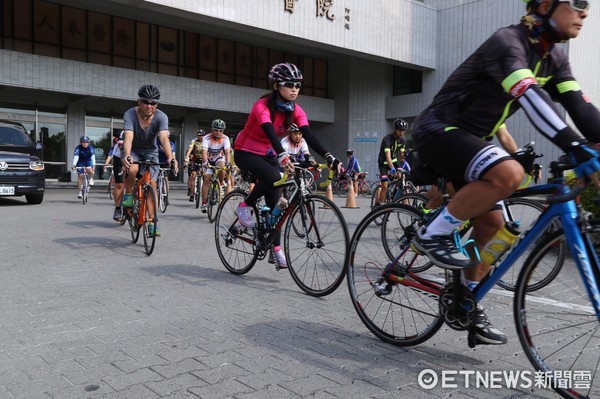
x: 254, y: 139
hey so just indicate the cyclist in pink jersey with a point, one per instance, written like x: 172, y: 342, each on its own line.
x: 258, y: 148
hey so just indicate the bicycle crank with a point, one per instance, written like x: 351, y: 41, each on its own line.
x: 457, y: 309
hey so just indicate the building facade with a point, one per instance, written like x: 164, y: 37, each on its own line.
x: 73, y: 67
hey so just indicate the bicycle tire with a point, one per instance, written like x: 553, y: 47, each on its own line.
x: 342, y: 190
x: 133, y: 227
x: 214, y: 192
x: 236, y: 244
x: 198, y: 191
x: 412, y: 199
x: 316, y: 260
x: 111, y: 185
x: 402, y: 231
x: 124, y: 216
x: 556, y: 324
x: 375, y: 200
x: 151, y: 216
x: 85, y: 190
x: 521, y: 209
x: 406, y: 315
x: 162, y: 195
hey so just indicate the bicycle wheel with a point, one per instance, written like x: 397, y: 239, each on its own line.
x: 403, y: 312
x: 85, y: 188
x: 214, y: 191
x: 557, y: 325
x: 527, y: 212
x: 375, y: 195
x: 111, y: 185
x: 412, y: 199
x: 343, y: 189
x: 151, y: 216
x: 133, y: 226
x: 163, y: 195
x: 235, y: 243
x: 375, y: 200
x: 316, y: 258
x: 198, y: 192
x: 399, y: 233
x: 364, y: 188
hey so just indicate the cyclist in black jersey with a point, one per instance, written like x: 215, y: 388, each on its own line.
x: 519, y: 66
x: 389, y: 153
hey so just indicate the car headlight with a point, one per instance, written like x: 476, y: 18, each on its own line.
x: 36, y: 165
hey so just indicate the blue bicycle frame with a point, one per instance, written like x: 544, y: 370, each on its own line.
x: 568, y: 214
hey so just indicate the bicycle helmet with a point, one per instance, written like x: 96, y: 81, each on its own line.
x: 284, y: 72
x: 201, y: 132
x: 84, y: 139
x: 400, y: 124
x: 149, y: 92
x: 293, y: 128
x: 218, y: 124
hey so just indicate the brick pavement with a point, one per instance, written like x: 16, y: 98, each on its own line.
x: 86, y: 314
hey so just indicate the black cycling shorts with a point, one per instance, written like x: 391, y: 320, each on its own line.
x: 117, y: 168
x: 461, y: 157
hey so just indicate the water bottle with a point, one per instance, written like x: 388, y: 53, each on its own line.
x: 264, y: 215
x: 278, y: 210
x: 502, y: 241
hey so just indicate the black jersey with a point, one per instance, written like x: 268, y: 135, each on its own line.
x: 393, y: 144
x: 482, y: 92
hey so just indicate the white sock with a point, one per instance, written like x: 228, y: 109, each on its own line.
x: 442, y: 225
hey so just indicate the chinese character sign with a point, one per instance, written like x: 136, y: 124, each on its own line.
x: 324, y: 8
x: 289, y: 5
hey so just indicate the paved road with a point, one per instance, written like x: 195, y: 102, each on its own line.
x: 85, y: 313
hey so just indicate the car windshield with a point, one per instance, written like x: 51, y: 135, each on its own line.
x: 13, y: 137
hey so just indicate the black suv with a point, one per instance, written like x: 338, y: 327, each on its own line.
x: 21, y: 169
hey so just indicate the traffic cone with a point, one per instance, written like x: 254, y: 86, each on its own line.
x: 351, y: 198
x: 329, y: 192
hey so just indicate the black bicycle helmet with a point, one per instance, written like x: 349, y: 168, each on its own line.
x: 293, y: 128
x: 84, y: 139
x: 284, y: 72
x: 149, y: 92
x: 400, y: 124
x: 201, y: 132
x: 218, y: 124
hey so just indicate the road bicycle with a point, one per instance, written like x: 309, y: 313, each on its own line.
x: 215, y: 191
x: 85, y: 184
x: 364, y: 187
x: 111, y: 181
x: 315, y: 236
x: 197, y: 187
x: 557, y: 324
x: 143, y: 215
x: 398, y: 185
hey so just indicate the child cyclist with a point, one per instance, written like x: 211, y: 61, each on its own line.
x: 259, y: 151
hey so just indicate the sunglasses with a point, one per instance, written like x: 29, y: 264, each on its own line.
x: 291, y: 85
x: 577, y: 5
x: 148, y: 102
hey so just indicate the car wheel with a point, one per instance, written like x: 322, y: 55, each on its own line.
x: 33, y: 199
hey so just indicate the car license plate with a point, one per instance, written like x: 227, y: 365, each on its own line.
x: 7, y: 190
